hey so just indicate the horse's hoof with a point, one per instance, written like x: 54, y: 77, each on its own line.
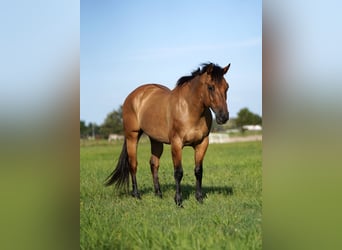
x: 199, y: 198
x: 136, y: 195
x: 178, y: 200
x: 179, y: 204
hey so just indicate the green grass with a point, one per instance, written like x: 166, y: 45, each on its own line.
x: 229, y: 218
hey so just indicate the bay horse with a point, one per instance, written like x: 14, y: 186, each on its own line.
x: 180, y: 117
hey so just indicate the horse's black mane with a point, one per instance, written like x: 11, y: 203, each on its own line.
x: 216, y: 74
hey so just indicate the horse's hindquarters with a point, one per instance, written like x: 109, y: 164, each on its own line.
x: 146, y: 109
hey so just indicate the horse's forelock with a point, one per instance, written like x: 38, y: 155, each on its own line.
x: 216, y: 73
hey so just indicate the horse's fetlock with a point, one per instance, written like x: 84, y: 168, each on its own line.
x: 178, y: 200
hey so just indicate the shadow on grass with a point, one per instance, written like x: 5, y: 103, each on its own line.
x: 187, y: 190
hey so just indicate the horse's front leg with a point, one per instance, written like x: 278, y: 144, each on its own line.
x: 200, y: 150
x: 176, y: 150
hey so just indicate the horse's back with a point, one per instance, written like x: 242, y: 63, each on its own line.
x: 146, y: 95
x: 147, y: 109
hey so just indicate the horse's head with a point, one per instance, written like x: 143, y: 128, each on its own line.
x: 215, y: 91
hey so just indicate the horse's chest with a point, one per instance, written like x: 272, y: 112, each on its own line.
x: 195, y: 135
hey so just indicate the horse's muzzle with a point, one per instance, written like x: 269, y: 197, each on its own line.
x: 222, y: 117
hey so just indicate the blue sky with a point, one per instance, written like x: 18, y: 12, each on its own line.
x: 39, y: 49
x: 128, y: 43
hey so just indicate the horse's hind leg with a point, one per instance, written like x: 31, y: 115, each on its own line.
x: 132, y: 143
x: 156, y: 152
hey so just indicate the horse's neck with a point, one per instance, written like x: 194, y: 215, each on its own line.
x: 192, y: 95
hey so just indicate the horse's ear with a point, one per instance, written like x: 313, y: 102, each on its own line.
x: 225, y: 69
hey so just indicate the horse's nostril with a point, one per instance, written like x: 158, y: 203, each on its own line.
x: 222, y: 117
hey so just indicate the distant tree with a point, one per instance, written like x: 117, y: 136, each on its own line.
x: 94, y: 130
x: 113, y: 123
x: 83, y: 128
x: 246, y: 117
x: 88, y: 130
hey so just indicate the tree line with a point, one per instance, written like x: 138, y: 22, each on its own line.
x: 113, y: 124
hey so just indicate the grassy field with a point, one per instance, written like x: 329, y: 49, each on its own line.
x: 229, y: 218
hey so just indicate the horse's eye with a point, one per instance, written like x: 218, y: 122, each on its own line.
x: 211, y: 88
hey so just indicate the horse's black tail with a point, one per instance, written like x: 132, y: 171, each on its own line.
x: 120, y: 175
